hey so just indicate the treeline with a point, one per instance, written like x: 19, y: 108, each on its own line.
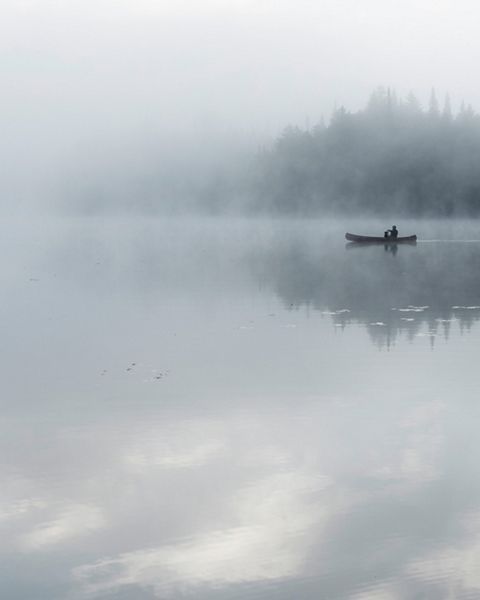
x: 391, y: 157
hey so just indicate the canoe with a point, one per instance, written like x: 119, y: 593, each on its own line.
x: 352, y: 237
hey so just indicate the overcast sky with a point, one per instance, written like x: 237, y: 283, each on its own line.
x: 256, y: 63
x: 77, y: 70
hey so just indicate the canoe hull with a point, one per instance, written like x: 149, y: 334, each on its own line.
x: 352, y: 237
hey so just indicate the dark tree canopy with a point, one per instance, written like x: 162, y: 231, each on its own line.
x: 392, y: 156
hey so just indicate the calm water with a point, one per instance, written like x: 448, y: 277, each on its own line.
x: 223, y: 409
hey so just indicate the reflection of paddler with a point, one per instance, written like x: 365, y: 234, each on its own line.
x: 393, y: 248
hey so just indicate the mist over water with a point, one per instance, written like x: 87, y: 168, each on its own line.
x: 220, y: 408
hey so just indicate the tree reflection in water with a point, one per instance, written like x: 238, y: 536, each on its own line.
x: 402, y: 290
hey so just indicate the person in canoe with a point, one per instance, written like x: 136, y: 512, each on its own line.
x: 391, y: 233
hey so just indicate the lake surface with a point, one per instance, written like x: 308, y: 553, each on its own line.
x: 218, y: 409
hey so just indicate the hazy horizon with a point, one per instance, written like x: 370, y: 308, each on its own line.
x: 85, y: 82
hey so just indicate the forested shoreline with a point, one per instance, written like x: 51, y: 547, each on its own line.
x: 391, y: 157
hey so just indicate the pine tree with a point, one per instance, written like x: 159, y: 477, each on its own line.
x: 413, y: 104
x: 433, y: 109
x: 447, y: 110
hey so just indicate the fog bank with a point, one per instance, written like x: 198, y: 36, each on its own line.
x: 90, y: 89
